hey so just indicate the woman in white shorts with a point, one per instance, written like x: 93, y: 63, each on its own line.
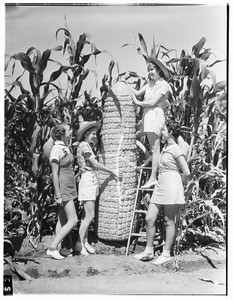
x: 155, y: 102
x: 88, y: 188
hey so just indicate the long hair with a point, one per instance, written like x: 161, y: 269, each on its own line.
x: 58, y: 131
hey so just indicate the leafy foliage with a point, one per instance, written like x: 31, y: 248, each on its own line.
x: 199, y: 103
x: 32, y: 106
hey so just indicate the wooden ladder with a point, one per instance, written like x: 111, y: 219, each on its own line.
x: 141, y: 201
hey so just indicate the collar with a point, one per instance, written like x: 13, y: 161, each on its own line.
x: 59, y: 143
x: 159, y: 80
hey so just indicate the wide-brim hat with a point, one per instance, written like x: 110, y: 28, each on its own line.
x: 85, y: 126
x: 160, y: 64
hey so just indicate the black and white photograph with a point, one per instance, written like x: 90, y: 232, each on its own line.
x: 115, y: 148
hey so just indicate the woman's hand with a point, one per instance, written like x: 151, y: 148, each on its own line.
x: 58, y: 200
x: 136, y: 101
x: 147, y: 161
x: 117, y: 176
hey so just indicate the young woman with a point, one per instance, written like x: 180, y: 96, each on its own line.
x: 61, y: 160
x: 155, y: 102
x: 89, y: 183
x: 168, y: 192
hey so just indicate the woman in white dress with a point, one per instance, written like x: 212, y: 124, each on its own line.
x: 173, y: 174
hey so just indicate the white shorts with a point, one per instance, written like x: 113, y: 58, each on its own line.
x: 153, y: 120
x: 88, y: 188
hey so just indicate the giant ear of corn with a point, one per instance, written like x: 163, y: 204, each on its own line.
x: 118, y: 152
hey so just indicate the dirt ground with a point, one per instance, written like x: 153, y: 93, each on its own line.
x: 111, y: 272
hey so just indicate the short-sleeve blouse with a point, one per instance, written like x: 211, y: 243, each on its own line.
x: 58, y: 151
x: 85, y: 151
x: 162, y: 87
x: 168, y: 158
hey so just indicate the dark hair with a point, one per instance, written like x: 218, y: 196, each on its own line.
x: 174, y: 128
x: 59, y: 130
x: 161, y: 74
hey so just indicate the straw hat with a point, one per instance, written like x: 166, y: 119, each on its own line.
x: 85, y: 126
x: 157, y: 62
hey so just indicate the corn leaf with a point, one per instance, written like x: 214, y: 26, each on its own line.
x: 110, y: 67
x: 206, y: 54
x: 216, y: 62
x: 44, y: 60
x: 57, y: 48
x: 79, y: 47
x: 198, y: 46
x: 143, y: 43
x: 220, y: 86
x: 55, y: 74
x: 24, y: 60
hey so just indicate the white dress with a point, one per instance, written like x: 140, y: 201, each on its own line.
x: 169, y: 189
x: 153, y: 118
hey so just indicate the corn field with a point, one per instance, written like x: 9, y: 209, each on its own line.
x: 32, y: 110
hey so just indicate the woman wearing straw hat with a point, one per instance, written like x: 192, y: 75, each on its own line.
x: 89, y: 183
x: 155, y: 102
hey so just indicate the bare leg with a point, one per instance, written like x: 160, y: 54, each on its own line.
x: 69, y: 211
x: 61, y: 221
x: 89, y: 208
x: 151, y: 217
x: 170, y: 212
x: 154, y: 142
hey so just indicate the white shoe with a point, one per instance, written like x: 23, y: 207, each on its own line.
x: 144, y: 256
x: 149, y: 184
x: 89, y: 248
x: 54, y: 254
x: 161, y: 260
x: 65, y: 252
x: 84, y: 252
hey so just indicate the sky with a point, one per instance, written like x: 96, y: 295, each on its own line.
x: 111, y: 26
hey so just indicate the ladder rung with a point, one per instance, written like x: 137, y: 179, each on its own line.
x: 144, y: 168
x: 143, y: 234
x: 140, y: 211
x: 141, y: 189
x: 138, y: 234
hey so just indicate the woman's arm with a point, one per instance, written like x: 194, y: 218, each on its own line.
x: 184, y: 168
x: 99, y: 166
x: 149, y: 102
x: 55, y: 170
x: 138, y: 93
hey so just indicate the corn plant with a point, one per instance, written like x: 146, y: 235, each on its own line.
x: 31, y: 111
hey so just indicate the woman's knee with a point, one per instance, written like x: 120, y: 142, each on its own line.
x: 90, y: 216
x: 169, y: 222
x: 149, y: 220
x: 74, y: 220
